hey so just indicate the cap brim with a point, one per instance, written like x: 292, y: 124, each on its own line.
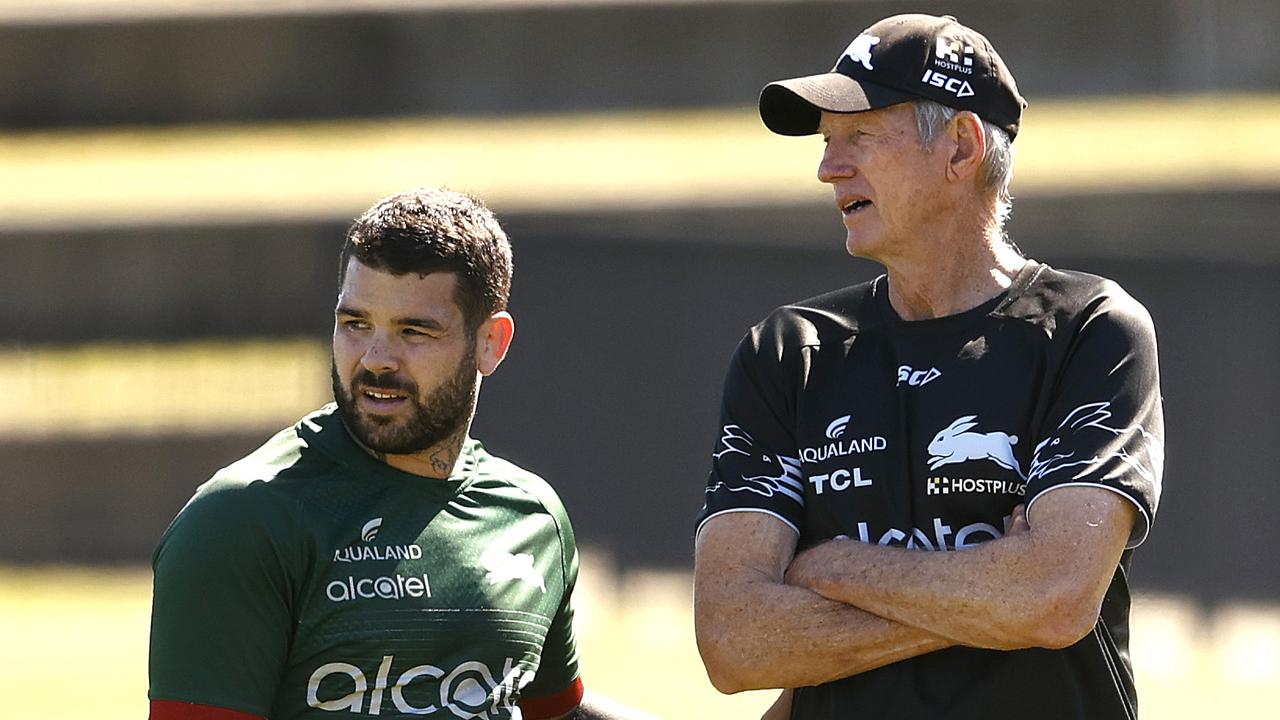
x: 794, y: 107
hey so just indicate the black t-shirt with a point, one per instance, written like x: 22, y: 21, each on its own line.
x: 840, y: 418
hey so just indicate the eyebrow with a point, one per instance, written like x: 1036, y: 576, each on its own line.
x: 419, y: 322
x: 427, y: 323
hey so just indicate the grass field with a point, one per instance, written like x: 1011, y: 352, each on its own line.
x: 75, y: 646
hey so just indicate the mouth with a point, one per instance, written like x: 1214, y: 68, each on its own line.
x: 849, y: 207
x: 380, y: 399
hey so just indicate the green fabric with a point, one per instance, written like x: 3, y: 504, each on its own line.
x: 309, y: 580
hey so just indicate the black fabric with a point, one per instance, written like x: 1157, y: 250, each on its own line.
x: 898, y: 58
x: 839, y: 418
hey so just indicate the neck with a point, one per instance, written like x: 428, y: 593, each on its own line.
x: 956, y: 269
x: 436, y: 462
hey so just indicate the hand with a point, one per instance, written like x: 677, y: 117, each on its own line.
x: 1018, y: 524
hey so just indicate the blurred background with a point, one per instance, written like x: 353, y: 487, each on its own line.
x: 176, y: 177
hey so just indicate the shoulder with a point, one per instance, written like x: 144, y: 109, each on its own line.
x: 1071, y: 301
x: 531, y: 495
x: 250, y: 500
x: 831, y: 317
x: 500, y: 475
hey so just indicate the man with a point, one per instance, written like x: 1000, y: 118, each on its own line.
x: 373, y: 559
x: 968, y: 400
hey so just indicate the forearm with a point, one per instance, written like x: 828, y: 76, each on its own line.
x: 1038, y: 588
x: 764, y: 634
x: 962, y: 596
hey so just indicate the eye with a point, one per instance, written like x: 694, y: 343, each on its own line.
x: 355, y: 324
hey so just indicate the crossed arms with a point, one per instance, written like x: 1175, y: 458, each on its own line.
x: 767, y: 617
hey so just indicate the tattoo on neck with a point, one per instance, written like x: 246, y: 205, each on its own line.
x: 445, y: 456
x: 440, y: 465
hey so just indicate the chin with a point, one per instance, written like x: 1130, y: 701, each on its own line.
x: 857, y: 246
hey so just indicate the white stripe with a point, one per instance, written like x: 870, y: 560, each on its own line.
x: 1131, y: 544
x: 718, y: 513
x: 791, y: 494
x: 796, y: 484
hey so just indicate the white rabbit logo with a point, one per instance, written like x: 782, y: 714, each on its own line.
x: 954, y: 443
x: 1060, y: 450
x: 504, y: 566
x: 860, y: 49
x: 786, y: 482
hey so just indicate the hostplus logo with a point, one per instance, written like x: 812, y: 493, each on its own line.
x: 958, y: 443
x: 954, y: 55
x: 470, y: 691
x: 943, y: 485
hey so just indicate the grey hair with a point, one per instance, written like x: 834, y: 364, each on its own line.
x: 997, y: 162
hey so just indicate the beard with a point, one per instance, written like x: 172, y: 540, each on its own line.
x: 432, y: 419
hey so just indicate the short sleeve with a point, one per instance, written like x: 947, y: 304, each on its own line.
x: 221, y: 606
x: 1105, y: 425
x: 556, y: 679
x: 755, y: 466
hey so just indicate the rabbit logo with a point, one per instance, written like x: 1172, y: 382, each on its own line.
x: 785, y: 480
x: 505, y: 566
x: 955, y: 443
x: 859, y: 50
x: 1142, y: 451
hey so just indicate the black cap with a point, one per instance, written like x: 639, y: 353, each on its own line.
x: 901, y: 58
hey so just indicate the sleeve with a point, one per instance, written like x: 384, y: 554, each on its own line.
x: 755, y: 466
x: 175, y: 710
x: 556, y: 687
x: 221, y: 615
x: 1105, y: 425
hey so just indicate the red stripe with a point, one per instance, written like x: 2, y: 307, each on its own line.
x: 552, y: 706
x: 178, y: 710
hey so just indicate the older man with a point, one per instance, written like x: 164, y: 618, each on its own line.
x: 970, y: 399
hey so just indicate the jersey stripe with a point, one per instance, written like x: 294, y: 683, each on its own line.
x: 178, y: 710
x: 553, y: 706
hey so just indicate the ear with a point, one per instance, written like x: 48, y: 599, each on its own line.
x: 968, y: 146
x: 493, y: 339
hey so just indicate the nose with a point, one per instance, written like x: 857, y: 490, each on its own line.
x: 380, y: 357
x: 835, y: 164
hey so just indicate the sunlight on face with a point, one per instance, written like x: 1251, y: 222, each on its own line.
x: 404, y: 367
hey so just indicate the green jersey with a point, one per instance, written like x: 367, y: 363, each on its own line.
x: 310, y: 580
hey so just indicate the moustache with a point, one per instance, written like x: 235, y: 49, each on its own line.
x: 366, y: 379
